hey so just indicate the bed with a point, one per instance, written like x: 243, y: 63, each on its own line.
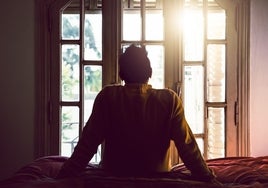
x: 234, y: 172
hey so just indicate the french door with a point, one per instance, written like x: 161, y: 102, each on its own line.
x: 192, y: 45
x: 79, y: 67
x: 209, y: 75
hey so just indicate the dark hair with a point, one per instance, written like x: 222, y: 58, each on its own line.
x: 134, y: 65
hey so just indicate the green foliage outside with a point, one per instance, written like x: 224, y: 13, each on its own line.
x: 69, y: 77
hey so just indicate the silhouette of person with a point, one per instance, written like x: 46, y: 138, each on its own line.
x: 136, y: 123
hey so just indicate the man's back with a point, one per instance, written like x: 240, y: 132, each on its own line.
x: 137, y: 131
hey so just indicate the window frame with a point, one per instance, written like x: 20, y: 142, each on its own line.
x: 46, y: 135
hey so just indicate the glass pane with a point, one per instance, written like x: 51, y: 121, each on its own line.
x: 194, y: 98
x: 156, y: 56
x: 70, y: 73
x: 216, y: 24
x: 96, y: 159
x: 216, y: 73
x: 152, y: 3
x: 193, y: 24
x: 70, y: 26
x: 154, y: 25
x: 92, y: 86
x: 200, y: 143
x: 216, y: 130
x: 131, y: 25
x: 93, y: 37
x: 193, y: 2
x: 69, y: 129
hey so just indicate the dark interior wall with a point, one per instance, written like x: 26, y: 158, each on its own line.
x: 16, y: 85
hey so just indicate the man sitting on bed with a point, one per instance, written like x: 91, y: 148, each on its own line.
x: 136, y: 123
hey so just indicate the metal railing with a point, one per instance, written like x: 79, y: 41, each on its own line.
x: 95, y: 159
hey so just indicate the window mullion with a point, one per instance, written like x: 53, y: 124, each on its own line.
x: 143, y: 20
x: 205, y: 9
x: 81, y: 67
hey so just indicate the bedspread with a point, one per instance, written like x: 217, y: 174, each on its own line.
x: 234, y: 172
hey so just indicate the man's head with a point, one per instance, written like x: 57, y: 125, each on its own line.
x: 134, y: 65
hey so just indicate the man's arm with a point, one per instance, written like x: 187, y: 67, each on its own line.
x: 83, y: 152
x: 186, y: 144
x: 92, y: 137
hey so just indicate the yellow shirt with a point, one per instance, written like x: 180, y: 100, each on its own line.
x: 136, y: 123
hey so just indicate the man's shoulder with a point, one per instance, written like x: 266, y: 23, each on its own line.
x: 165, y: 94
x: 165, y: 91
x: 112, y: 88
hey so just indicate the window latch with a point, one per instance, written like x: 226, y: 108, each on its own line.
x: 236, y: 113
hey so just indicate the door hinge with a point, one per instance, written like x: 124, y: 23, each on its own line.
x: 236, y: 113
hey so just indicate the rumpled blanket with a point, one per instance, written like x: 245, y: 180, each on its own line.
x: 234, y: 172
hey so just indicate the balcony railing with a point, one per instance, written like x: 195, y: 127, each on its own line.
x: 70, y: 129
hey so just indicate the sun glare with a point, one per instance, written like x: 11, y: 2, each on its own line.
x: 193, y: 33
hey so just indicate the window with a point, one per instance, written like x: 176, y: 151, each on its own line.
x: 80, y: 70
x: 193, y: 50
x: 143, y: 23
x: 204, y: 73
x: 199, y: 60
